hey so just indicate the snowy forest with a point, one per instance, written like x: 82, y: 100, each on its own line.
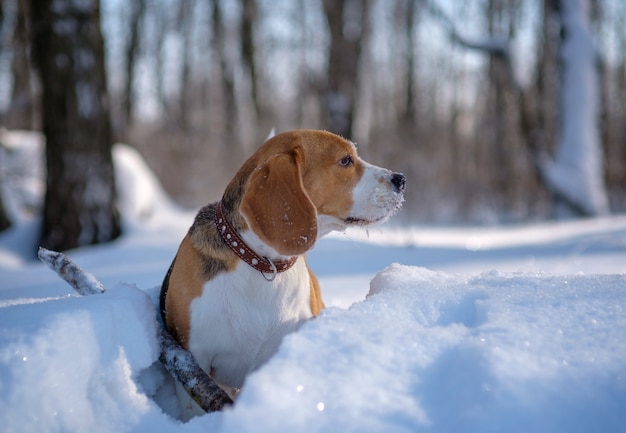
x: 494, y: 301
x: 496, y: 110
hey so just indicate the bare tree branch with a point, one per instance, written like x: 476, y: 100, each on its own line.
x: 179, y: 362
x: 184, y: 368
x: 83, y: 282
x: 494, y: 45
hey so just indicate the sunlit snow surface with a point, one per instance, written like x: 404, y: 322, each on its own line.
x: 475, y: 330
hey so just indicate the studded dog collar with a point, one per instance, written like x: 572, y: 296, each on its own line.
x: 266, y: 266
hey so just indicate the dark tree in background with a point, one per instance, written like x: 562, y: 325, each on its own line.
x: 248, y: 17
x: 132, y: 48
x: 68, y: 50
x: 346, y: 22
x: 5, y: 222
x: 22, y: 110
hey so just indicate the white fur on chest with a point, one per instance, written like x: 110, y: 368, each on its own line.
x: 240, y: 319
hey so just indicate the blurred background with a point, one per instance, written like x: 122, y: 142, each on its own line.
x: 470, y: 99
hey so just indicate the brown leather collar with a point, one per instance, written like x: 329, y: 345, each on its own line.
x: 243, y: 251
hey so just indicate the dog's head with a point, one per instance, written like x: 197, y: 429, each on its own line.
x: 302, y: 184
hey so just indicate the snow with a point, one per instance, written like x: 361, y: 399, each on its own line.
x: 67, y: 363
x: 430, y: 351
x: 427, y: 329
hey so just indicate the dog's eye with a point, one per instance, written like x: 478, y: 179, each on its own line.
x: 346, y: 161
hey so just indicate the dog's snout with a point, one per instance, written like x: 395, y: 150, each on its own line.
x: 398, y: 180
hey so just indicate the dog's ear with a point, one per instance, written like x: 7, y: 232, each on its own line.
x: 276, y: 206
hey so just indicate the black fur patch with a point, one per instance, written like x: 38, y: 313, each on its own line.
x: 164, y: 287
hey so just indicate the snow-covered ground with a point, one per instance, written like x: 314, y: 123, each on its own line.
x: 440, y: 330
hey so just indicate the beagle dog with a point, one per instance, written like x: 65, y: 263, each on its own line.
x: 239, y: 282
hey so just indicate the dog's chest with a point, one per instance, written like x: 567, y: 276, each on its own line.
x: 240, y: 319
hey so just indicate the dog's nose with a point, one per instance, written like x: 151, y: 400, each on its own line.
x: 398, y: 181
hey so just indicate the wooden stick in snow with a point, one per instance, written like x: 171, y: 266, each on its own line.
x: 179, y: 362
x: 183, y: 367
x: 83, y: 282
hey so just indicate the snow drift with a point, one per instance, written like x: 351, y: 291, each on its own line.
x: 426, y: 351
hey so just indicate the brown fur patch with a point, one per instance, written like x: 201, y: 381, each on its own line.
x: 317, y: 304
x: 277, y: 207
x: 185, y: 284
x: 200, y: 257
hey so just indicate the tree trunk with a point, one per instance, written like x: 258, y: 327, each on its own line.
x: 409, y: 112
x: 79, y: 206
x: 160, y: 18
x: 229, y: 105
x: 21, y: 112
x: 576, y: 173
x: 136, y: 17
x: 185, y: 17
x: 614, y: 111
x: 248, y: 18
x: 346, y: 21
x: 5, y: 222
